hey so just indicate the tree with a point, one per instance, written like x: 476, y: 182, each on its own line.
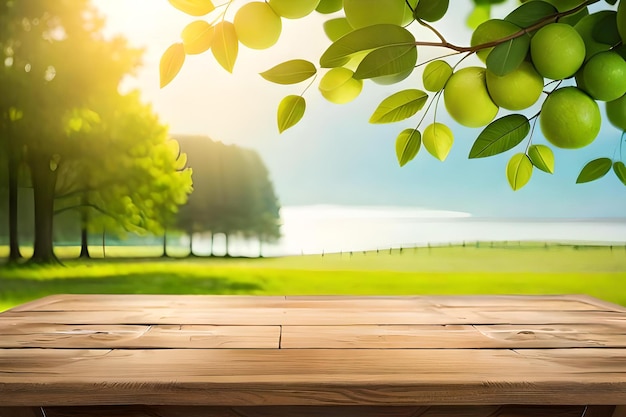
x: 85, y: 146
x: 123, y: 172
x: 232, y: 193
x: 560, y: 55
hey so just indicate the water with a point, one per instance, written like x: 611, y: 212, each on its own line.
x: 327, y: 228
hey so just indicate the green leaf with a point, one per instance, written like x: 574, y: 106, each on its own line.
x: 290, y: 111
x: 365, y: 39
x: 507, y: 56
x: 594, y: 170
x: 225, y: 45
x: 500, y: 136
x: 408, y: 145
x: 171, y: 62
x: 620, y: 170
x: 399, y: 106
x: 388, y: 60
x: 542, y: 157
x: 519, y: 170
x: 438, y: 140
x: 605, y: 29
x: 337, y: 28
x: 290, y: 72
x: 530, y: 13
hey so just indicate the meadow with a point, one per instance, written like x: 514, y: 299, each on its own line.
x: 514, y: 268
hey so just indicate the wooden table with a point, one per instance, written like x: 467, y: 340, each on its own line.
x: 245, y: 356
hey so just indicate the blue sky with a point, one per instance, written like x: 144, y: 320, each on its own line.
x: 334, y: 156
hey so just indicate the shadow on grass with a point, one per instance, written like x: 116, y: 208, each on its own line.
x: 15, y: 291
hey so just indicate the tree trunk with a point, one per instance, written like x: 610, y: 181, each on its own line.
x: 191, y: 244
x: 44, y: 181
x: 164, y: 253
x: 84, y: 235
x: 14, y: 246
x: 84, y: 242
x: 227, y: 254
x: 260, y: 246
x: 212, y: 241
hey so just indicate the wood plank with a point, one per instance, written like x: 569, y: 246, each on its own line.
x: 311, y: 316
x: 313, y: 377
x: 355, y: 411
x: 139, y: 337
x: 119, y: 302
x: 620, y: 411
x: 20, y: 412
x: 453, y: 336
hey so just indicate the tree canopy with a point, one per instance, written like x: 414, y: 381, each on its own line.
x: 69, y: 134
x: 551, y: 63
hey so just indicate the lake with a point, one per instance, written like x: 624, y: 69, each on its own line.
x: 320, y: 229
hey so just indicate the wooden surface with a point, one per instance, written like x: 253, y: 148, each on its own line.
x: 260, y: 356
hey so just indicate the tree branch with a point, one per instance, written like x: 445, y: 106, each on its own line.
x: 543, y: 22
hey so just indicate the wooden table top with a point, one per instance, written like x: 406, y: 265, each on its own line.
x: 248, y: 350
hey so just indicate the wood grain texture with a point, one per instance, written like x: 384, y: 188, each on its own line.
x: 139, y: 337
x: 426, y: 356
x: 356, y: 411
x: 313, y: 376
x: 459, y: 336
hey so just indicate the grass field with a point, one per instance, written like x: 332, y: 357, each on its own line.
x: 505, y: 269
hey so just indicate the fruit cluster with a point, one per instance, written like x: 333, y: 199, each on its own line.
x: 552, y: 55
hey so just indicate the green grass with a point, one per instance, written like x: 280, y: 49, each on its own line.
x: 505, y: 269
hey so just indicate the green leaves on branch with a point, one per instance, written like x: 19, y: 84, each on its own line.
x: 620, y: 170
x: 500, y: 136
x: 598, y: 168
x: 531, y: 13
x: 290, y: 111
x: 408, y: 145
x: 399, y: 106
x: 507, y: 56
x: 542, y: 157
x: 290, y: 72
x: 171, y: 63
x: 519, y: 170
x: 225, y: 45
x: 390, y: 50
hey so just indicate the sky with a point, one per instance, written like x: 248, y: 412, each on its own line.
x: 334, y: 156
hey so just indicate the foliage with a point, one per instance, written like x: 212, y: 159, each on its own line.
x: 540, y: 50
x: 233, y: 194
x: 63, y: 122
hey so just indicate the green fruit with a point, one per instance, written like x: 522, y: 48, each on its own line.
x: 436, y: 75
x: 489, y: 31
x: 338, y: 86
x: 569, y: 118
x: 585, y: 28
x: 197, y: 37
x: 257, y: 26
x: 604, y: 76
x: 467, y: 99
x: 616, y: 112
x: 329, y: 6
x: 438, y: 140
x: 362, y: 13
x: 557, y: 51
x: 336, y: 28
x: 518, y: 89
x: 293, y: 9
x: 431, y: 10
